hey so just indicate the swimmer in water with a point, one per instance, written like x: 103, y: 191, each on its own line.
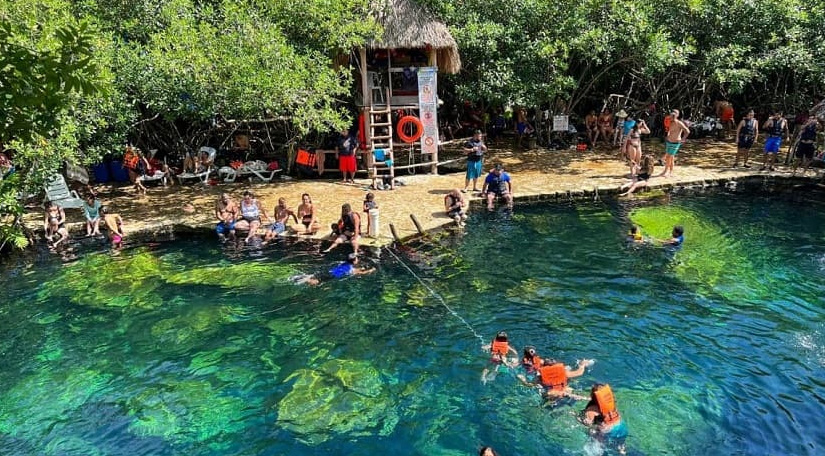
x: 603, y: 419
x: 530, y: 363
x: 553, y: 378
x: 635, y: 234
x: 487, y: 451
x: 342, y: 270
x: 498, y: 348
x: 677, y: 237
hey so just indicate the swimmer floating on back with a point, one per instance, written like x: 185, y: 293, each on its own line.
x: 498, y: 348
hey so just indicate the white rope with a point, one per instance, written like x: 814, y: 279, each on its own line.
x: 438, y: 296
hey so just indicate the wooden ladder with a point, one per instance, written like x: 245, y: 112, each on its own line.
x: 381, y: 138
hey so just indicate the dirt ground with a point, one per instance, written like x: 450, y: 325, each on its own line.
x: 535, y: 173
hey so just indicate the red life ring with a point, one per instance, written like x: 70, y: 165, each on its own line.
x: 419, y: 129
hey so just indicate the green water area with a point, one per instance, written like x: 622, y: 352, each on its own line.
x: 193, y: 347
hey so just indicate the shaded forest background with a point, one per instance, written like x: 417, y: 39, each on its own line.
x: 79, y: 78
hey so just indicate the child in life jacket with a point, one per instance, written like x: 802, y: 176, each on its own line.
x: 603, y: 418
x: 553, y: 378
x: 498, y: 348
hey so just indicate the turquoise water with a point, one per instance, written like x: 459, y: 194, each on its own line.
x: 192, y: 348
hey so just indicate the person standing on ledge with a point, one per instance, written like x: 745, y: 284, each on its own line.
x: 475, y: 149
x: 345, y: 153
x: 746, y: 134
x: 777, y: 128
x: 676, y: 136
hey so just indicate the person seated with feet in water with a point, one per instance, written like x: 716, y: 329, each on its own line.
x: 454, y: 204
x: 226, y: 211
x: 54, y: 225
x: 602, y: 417
x: 348, y: 229
x: 281, y: 214
x: 114, y: 225
x: 498, y: 185
x: 346, y: 269
x: 251, y: 214
x: 306, y: 212
x: 553, y: 378
x: 642, y: 176
x: 499, y: 348
x: 91, y: 209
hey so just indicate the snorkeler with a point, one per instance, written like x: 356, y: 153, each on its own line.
x: 554, y: 375
x: 677, y: 237
x: 345, y: 269
x: 603, y: 419
x: 498, y: 348
x: 530, y: 363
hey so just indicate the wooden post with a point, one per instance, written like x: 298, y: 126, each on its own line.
x: 395, y: 234
x: 417, y: 224
x: 365, y: 86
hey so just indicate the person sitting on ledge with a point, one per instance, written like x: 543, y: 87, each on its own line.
x: 498, y: 185
x: 114, y: 224
x: 454, y: 204
x: 348, y: 229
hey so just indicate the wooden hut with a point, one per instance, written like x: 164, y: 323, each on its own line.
x: 414, y: 43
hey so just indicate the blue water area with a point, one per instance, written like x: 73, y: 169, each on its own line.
x: 195, y: 348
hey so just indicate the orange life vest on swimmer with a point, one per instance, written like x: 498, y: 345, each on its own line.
x: 499, y: 347
x: 553, y: 376
x: 607, y: 405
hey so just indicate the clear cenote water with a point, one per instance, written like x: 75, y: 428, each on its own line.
x: 192, y: 348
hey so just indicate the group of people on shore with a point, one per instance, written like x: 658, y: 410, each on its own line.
x: 552, y: 379
x: 54, y: 222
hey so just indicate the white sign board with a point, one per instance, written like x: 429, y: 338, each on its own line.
x: 428, y: 109
x: 560, y: 123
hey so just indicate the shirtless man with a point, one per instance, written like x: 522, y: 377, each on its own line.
x: 591, y: 123
x: 114, y: 224
x: 676, y: 136
x: 522, y: 126
x: 282, y: 214
x: 226, y: 211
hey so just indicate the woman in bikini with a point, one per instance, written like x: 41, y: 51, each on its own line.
x: 306, y: 211
x: 606, y: 125
x: 634, y: 145
x: 591, y: 122
x: 54, y: 224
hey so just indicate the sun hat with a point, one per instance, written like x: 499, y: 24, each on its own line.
x: 621, y: 114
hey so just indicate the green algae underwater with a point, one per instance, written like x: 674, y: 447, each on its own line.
x: 180, y: 349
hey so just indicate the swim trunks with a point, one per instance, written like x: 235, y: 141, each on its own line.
x: 223, y: 227
x: 672, y: 148
x: 278, y: 227
x: 347, y: 164
x: 805, y: 150
x: 745, y: 142
x: 772, y: 144
x: 473, y: 169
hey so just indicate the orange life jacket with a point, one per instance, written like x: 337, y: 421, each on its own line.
x: 130, y: 158
x: 499, y: 347
x: 666, y: 122
x: 554, y: 376
x: 534, y: 363
x: 607, y: 404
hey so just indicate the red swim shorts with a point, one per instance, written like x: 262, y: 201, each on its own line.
x: 346, y: 163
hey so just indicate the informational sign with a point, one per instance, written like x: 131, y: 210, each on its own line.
x: 428, y: 109
x: 560, y: 123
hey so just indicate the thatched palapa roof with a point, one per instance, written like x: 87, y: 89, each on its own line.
x: 407, y: 24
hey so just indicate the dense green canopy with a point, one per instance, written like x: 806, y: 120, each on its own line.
x: 77, y: 78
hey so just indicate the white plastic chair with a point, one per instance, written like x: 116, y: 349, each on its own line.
x: 57, y: 191
x: 203, y: 177
x: 256, y: 168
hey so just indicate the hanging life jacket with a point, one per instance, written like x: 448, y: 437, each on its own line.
x: 607, y: 405
x: 553, y: 377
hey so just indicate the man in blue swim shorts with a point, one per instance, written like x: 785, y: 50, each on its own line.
x: 226, y: 211
x: 676, y: 136
x: 475, y: 149
x: 777, y: 128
